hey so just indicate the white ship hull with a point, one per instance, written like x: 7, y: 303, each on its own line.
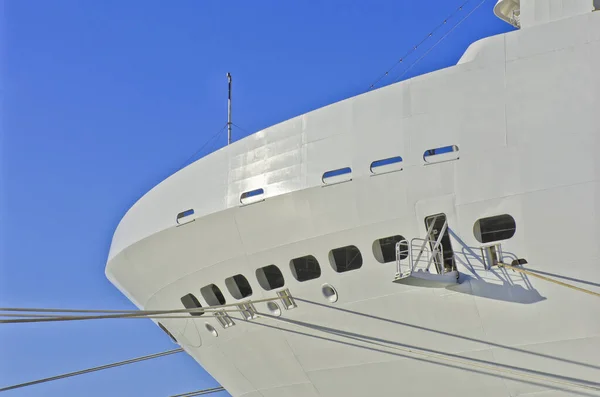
x: 523, y: 110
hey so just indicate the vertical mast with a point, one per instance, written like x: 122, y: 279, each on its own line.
x: 229, y: 111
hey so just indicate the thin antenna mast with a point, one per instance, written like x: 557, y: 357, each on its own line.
x: 229, y: 111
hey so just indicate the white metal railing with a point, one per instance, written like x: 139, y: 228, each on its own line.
x: 402, y: 253
x: 421, y: 253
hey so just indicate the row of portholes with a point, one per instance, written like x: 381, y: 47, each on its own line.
x: 343, y: 259
x: 390, y: 164
x: 383, y: 166
x: 303, y: 268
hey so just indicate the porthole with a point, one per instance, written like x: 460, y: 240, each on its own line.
x: 494, y: 228
x: 440, y: 154
x: 211, y: 330
x: 212, y: 295
x: 329, y: 293
x: 185, y: 217
x: 189, y: 301
x: 273, y: 309
x: 270, y: 277
x: 386, y: 165
x: 384, y: 249
x: 337, y: 176
x: 305, y: 268
x: 252, y: 196
x: 345, y: 258
x: 238, y: 286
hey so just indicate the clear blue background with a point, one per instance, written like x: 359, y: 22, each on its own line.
x: 104, y: 99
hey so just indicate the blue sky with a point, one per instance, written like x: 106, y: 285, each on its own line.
x: 104, y: 99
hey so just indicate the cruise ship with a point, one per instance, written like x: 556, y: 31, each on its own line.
x: 434, y: 237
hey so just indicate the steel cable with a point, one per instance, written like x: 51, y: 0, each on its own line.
x: 415, y: 47
x: 93, y: 369
x: 439, y: 41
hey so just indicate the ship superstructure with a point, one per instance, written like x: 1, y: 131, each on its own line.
x: 377, y: 225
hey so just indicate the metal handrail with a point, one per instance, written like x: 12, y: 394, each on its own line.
x: 433, y: 252
x: 437, y: 245
x: 399, y: 258
x: 429, y: 230
x: 430, y: 255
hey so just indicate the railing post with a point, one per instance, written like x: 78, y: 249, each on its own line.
x: 436, y: 246
x: 427, y: 239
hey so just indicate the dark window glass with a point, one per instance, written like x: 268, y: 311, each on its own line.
x: 495, y: 228
x: 238, y: 286
x: 384, y: 249
x: 212, y: 295
x: 346, y: 258
x: 189, y: 301
x: 305, y: 268
x: 270, y: 277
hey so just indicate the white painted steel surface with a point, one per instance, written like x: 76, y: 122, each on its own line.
x: 524, y: 110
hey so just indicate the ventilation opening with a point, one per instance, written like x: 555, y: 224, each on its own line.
x: 384, y: 249
x: 305, y: 268
x: 270, y: 277
x: 345, y: 259
x: 252, y: 196
x: 438, y: 155
x: 495, y: 228
x: 189, y: 301
x: 274, y: 309
x: 337, y: 176
x: 211, y: 330
x: 185, y: 217
x: 238, y: 286
x: 212, y: 295
x: 167, y: 332
x: 329, y: 293
x: 386, y: 165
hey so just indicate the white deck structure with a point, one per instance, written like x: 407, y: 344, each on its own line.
x: 520, y: 114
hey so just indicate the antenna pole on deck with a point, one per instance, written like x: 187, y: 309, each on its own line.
x: 229, y: 110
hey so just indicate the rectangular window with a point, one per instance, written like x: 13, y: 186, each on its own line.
x: 305, y: 268
x: 384, y: 249
x: 441, y: 154
x: 337, y: 176
x: 252, y: 196
x: 189, y: 301
x: 212, y: 295
x: 238, y: 286
x: 270, y: 277
x: 185, y: 217
x: 494, y: 228
x: 345, y: 258
x: 386, y: 165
